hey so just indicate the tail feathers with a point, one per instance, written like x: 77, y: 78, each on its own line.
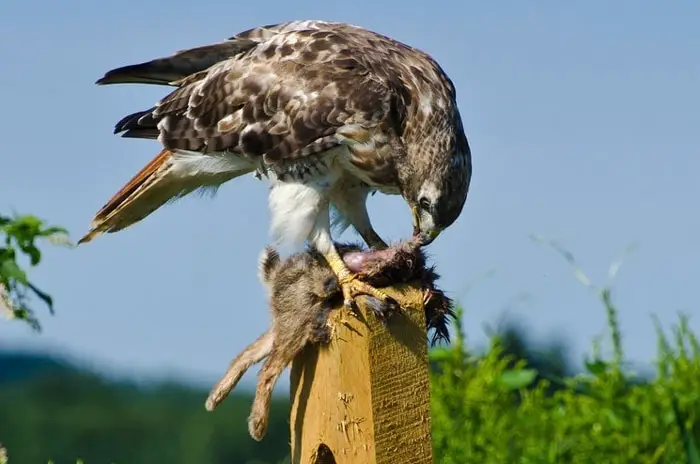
x: 167, y: 177
x: 135, y: 200
x: 168, y: 70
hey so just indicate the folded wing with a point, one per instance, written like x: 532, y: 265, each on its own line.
x: 274, y: 97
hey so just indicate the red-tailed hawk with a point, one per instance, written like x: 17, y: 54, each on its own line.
x: 328, y: 112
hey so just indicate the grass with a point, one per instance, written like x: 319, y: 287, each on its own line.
x: 493, y: 408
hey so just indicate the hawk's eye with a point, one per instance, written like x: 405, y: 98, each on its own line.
x: 424, y: 203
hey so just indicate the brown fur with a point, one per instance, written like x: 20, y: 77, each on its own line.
x: 301, y: 293
x: 302, y: 290
x: 403, y: 262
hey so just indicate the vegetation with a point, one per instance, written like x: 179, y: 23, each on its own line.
x: 504, y: 405
x: 53, y: 410
x: 18, y: 239
x: 496, y: 408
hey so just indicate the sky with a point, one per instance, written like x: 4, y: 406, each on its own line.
x: 582, y: 119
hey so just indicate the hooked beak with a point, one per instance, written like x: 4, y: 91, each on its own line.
x: 424, y: 237
x: 416, y: 220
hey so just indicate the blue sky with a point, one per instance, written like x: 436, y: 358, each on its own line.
x: 582, y: 117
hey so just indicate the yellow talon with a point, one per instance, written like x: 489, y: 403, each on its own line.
x: 351, y: 286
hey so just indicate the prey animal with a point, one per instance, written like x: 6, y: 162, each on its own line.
x: 302, y: 291
x: 328, y: 112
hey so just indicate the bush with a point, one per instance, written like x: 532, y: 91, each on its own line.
x: 18, y: 239
x: 496, y: 409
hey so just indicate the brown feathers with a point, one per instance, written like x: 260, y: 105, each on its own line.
x: 167, y: 177
x: 276, y: 90
x: 275, y: 96
x: 165, y: 71
x: 115, y: 214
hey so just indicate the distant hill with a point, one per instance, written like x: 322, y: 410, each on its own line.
x: 18, y: 366
x: 53, y: 409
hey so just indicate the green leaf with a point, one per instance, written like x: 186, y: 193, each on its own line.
x: 28, y: 221
x: 440, y: 354
x: 597, y: 367
x: 691, y: 448
x: 613, y: 419
x: 33, y: 252
x: 53, y: 231
x: 10, y: 270
x: 45, y: 297
x: 515, y: 379
x: 19, y: 234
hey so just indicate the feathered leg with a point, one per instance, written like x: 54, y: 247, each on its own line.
x: 350, y: 284
x: 351, y: 206
x: 302, y: 212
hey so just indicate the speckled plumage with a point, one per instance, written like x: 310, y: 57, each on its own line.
x: 329, y: 112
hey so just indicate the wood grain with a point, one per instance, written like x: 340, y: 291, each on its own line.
x: 365, y: 398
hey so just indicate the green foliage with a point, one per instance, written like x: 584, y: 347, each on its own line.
x: 494, y: 408
x: 485, y: 411
x: 18, y: 238
x: 62, y: 414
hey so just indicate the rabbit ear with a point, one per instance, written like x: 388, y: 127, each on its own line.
x: 267, y: 264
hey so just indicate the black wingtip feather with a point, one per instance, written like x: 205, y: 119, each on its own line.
x: 124, y: 122
x: 139, y: 125
x: 170, y: 69
x: 141, y: 73
x: 141, y: 134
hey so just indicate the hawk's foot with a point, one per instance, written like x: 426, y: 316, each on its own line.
x: 382, y: 305
x: 352, y: 287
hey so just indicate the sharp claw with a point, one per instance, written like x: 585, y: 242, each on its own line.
x: 383, y: 310
x: 427, y: 296
x: 352, y: 287
x: 381, y: 304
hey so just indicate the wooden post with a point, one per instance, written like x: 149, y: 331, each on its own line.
x: 365, y: 397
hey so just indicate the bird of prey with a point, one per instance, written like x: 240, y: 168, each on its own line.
x: 328, y: 112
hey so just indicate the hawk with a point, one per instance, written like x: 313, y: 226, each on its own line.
x: 328, y: 112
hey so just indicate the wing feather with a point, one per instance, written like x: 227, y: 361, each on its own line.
x: 298, y: 83
x: 280, y: 92
x: 264, y: 108
x: 168, y: 70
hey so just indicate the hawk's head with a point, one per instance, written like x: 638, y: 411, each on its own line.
x: 439, y: 182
